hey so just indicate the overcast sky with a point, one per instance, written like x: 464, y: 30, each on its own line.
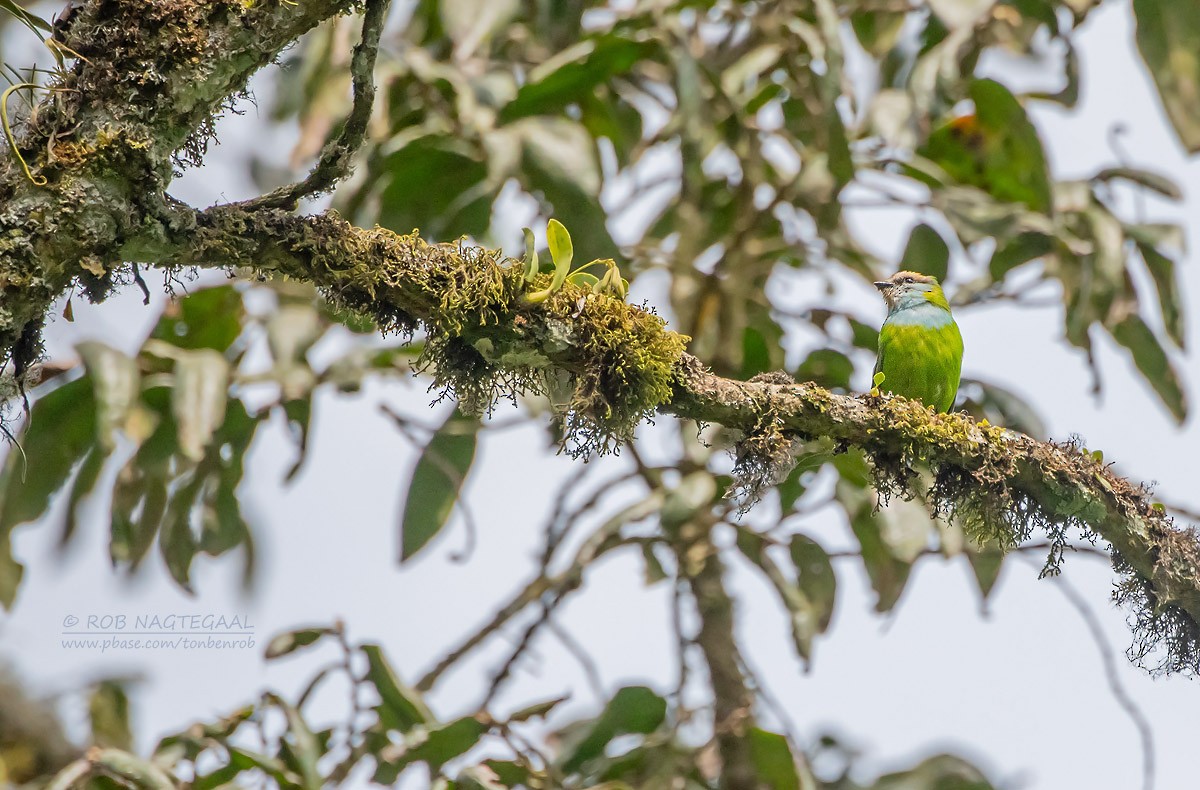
x: 1021, y: 691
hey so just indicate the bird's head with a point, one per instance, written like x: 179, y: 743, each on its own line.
x: 908, y: 289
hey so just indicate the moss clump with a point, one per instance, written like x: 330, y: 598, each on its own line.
x: 622, y: 366
x: 485, y: 341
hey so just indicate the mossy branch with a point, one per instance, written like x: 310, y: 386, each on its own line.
x: 622, y: 364
x: 155, y: 74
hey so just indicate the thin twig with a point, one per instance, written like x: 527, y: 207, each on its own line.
x: 334, y: 164
x: 601, y: 541
x: 1124, y: 701
x: 141, y: 284
x: 591, y: 669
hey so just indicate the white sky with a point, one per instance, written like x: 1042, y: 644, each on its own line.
x: 1022, y: 691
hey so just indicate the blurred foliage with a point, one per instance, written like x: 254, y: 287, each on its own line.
x: 719, y: 138
x: 388, y: 731
x: 723, y: 144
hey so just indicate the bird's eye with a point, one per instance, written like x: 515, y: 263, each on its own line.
x: 908, y: 279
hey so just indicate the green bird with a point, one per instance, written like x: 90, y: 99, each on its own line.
x: 920, y: 347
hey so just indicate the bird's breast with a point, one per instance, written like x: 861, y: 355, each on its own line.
x: 925, y: 315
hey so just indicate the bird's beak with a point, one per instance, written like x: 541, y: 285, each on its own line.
x: 883, y: 286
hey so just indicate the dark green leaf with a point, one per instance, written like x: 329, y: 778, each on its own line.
x: 85, y: 481
x: 510, y: 774
x: 773, y: 760
x: 209, y: 318
x: 291, y: 641
x: 926, y: 252
x: 400, y: 708
x: 1022, y: 248
x: 1152, y: 361
x: 815, y: 577
x: 108, y: 709
x: 986, y: 563
x: 573, y: 73
x: 1146, y: 178
x: 537, y: 710
x: 633, y: 709
x: 997, y: 149
x: 434, y: 183
x: 887, y: 573
x: 440, y: 745
x: 1168, y: 36
x: 300, y: 749
x: 827, y: 368
x: 61, y: 430
x: 654, y: 569
x: 941, y: 772
x: 1162, y: 270
x: 436, y: 482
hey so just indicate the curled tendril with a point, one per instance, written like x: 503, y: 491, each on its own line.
x: 37, y: 180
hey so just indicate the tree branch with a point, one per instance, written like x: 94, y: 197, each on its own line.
x: 733, y: 705
x: 157, y: 71
x: 334, y: 164
x: 107, y: 138
x: 486, y: 341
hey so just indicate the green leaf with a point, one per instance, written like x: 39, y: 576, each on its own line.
x: 210, y: 318
x: 996, y: 149
x: 1162, y: 271
x: 300, y: 750
x: 1019, y: 249
x: 815, y: 577
x: 1168, y: 36
x: 537, y: 710
x: 1146, y: 178
x: 1152, y: 362
x: 632, y: 710
x: 436, y: 482
x: 773, y: 760
x: 198, y: 399
x: 561, y: 250
x: 940, y: 772
x: 654, y: 571
x: 570, y: 75
x: 291, y: 641
x: 61, y: 430
x: 38, y: 26
x: 117, y: 388
x: 926, y: 252
x: 108, y: 709
x: 986, y: 563
x: 441, y: 745
x: 887, y: 573
x: 471, y: 23
x: 400, y: 708
x: 826, y: 367
x: 85, y: 481
x: 435, y: 183
x: 530, y: 263
x: 1001, y: 406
